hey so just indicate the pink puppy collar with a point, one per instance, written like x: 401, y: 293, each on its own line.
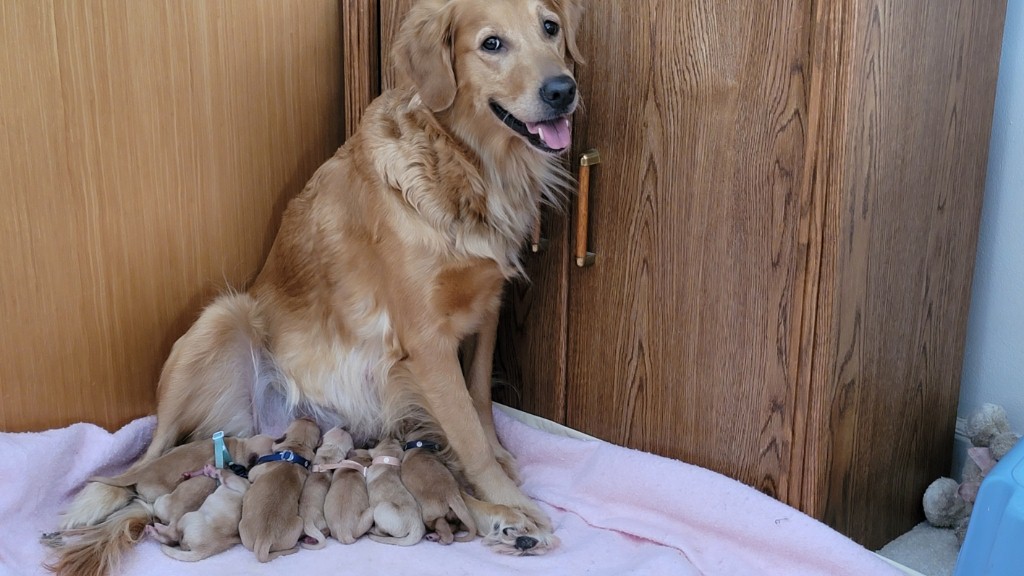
x: 388, y: 460
x: 346, y: 464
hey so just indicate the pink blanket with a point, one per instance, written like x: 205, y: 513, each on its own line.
x: 617, y: 511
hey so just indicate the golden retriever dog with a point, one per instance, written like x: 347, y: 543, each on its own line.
x: 110, y: 514
x: 270, y: 524
x: 435, y: 488
x: 396, y: 514
x: 347, y: 505
x: 395, y: 254
x: 336, y: 445
x: 169, y: 508
x: 213, y: 528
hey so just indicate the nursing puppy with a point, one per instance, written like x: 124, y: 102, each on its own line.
x: 347, y: 506
x: 270, y: 524
x: 396, y: 515
x: 187, y: 497
x: 162, y: 475
x: 437, y: 492
x: 213, y: 528
x: 336, y: 445
x: 100, y: 537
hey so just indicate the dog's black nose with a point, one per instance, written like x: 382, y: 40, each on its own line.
x: 525, y: 542
x: 558, y: 92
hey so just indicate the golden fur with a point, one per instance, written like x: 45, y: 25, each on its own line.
x: 437, y: 491
x: 213, y: 528
x: 394, y: 254
x: 347, y: 505
x: 270, y: 525
x: 396, y: 513
x: 169, y: 508
x: 336, y: 444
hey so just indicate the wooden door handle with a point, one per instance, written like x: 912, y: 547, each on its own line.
x: 583, y: 257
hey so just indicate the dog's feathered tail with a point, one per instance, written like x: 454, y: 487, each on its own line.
x: 95, y: 503
x: 97, y: 550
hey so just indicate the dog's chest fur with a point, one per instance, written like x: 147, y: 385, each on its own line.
x: 413, y: 235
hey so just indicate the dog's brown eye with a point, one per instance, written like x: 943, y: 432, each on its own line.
x: 551, y: 27
x: 491, y: 44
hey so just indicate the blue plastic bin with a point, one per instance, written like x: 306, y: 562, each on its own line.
x: 994, y: 545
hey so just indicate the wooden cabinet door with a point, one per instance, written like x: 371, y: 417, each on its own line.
x: 784, y: 219
x: 682, y: 337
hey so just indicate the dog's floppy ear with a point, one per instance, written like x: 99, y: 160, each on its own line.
x: 571, y: 13
x: 423, y: 52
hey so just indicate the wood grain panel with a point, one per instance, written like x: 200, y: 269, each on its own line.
x: 822, y: 178
x: 391, y: 14
x: 680, y: 335
x: 896, y: 282
x: 361, y: 25
x: 532, y: 347
x: 148, y: 151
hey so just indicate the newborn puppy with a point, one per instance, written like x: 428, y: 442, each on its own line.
x: 187, y: 497
x: 347, y: 506
x: 162, y: 476
x: 213, y: 528
x: 271, y: 525
x: 435, y: 488
x: 396, y: 515
x: 337, y: 443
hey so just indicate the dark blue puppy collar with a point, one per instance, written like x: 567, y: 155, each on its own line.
x: 285, y: 456
x: 432, y: 446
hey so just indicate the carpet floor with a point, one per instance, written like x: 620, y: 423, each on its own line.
x: 929, y: 550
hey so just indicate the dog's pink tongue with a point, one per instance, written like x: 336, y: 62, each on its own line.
x: 556, y: 134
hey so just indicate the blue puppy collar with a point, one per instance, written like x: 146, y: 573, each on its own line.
x: 432, y: 446
x: 284, y: 456
x: 221, y: 455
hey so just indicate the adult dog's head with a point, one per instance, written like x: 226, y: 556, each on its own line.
x: 497, y: 72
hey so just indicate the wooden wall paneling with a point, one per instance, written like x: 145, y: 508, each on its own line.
x: 822, y: 179
x: 37, y: 325
x: 695, y: 218
x: 154, y: 147
x: 360, y: 21
x: 391, y: 14
x: 892, y: 319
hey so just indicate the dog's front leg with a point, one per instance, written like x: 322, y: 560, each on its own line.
x: 480, y: 356
x: 512, y: 523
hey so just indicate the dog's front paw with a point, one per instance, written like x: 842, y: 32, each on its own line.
x: 515, y: 534
x: 509, y: 530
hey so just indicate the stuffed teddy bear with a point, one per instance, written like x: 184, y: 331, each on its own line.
x: 948, y: 504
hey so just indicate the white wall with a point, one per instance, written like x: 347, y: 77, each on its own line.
x: 994, y: 357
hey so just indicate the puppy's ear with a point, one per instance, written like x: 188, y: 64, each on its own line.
x: 571, y: 13
x: 423, y: 52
